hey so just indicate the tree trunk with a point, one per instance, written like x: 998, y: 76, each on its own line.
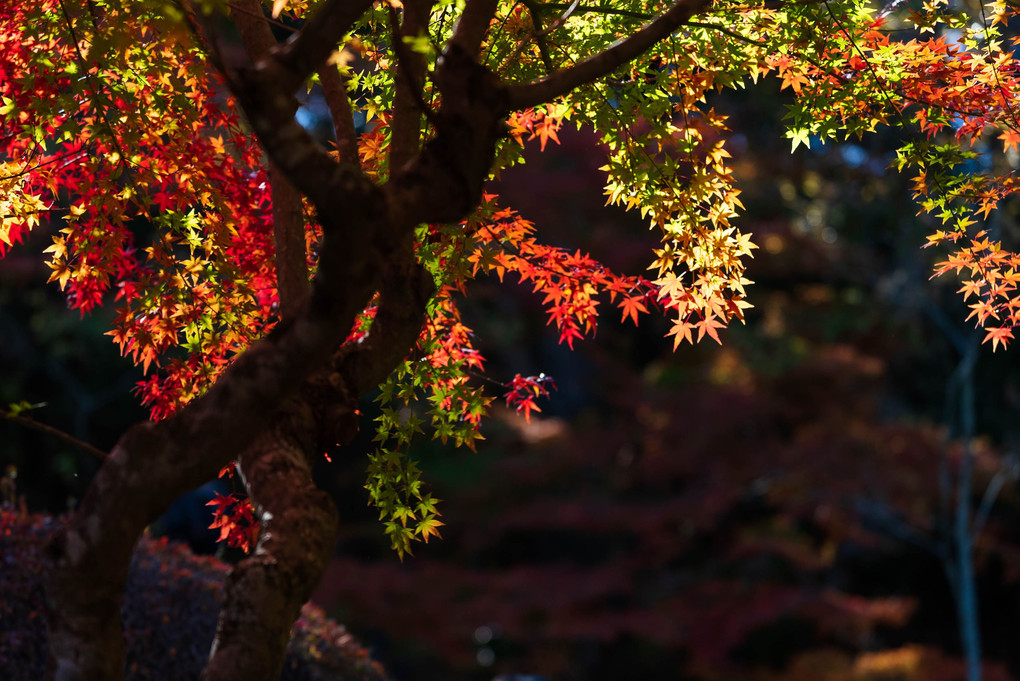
x: 298, y: 522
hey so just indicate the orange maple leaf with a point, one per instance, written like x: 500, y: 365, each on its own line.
x: 998, y: 334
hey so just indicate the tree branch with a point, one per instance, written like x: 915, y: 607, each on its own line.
x: 1008, y: 470
x: 298, y: 522
x: 363, y: 226
x: 967, y: 605
x: 153, y: 463
x: 340, y: 110
x: 881, y: 519
x: 359, y: 367
x: 472, y: 26
x: 288, y: 218
x: 260, y: 12
x: 589, y: 9
x: 291, y: 260
x: 270, y: 108
x: 406, y: 290
x: 309, y: 48
x: 444, y: 182
x: 605, y: 62
x: 408, y: 104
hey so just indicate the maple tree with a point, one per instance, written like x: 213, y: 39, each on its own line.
x: 264, y: 282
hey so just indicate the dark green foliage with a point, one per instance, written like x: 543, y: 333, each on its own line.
x: 170, y: 607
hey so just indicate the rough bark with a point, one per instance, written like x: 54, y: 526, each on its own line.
x: 154, y: 463
x: 298, y: 523
x: 289, y: 245
x: 472, y: 26
x: 265, y: 592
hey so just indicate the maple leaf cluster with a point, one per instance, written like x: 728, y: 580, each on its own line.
x: 958, y: 89
x: 234, y: 517
x: 522, y: 392
x: 169, y: 203
x: 543, y: 124
x: 570, y: 283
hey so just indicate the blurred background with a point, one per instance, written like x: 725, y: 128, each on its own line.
x: 779, y: 507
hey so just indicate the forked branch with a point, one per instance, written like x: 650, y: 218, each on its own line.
x: 308, y: 49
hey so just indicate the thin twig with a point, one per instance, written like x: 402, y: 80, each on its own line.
x: 1007, y: 471
x: 886, y: 521
x: 55, y: 432
x: 588, y: 9
x: 261, y: 15
x: 83, y: 65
